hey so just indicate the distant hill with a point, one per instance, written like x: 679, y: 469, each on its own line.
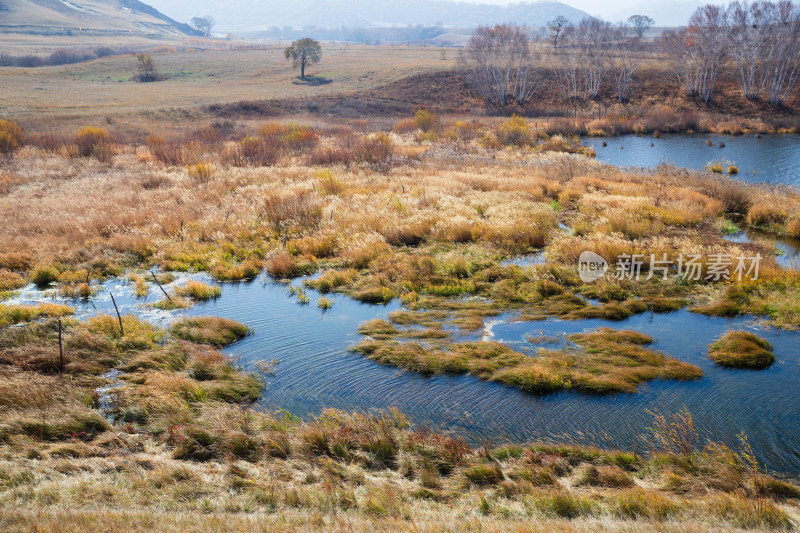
x: 97, y: 16
x: 254, y: 15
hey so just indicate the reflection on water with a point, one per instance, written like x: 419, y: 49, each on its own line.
x: 316, y: 371
x: 771, y: 159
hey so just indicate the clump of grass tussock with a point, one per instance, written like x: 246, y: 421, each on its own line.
x: 201, y: 172
x: 637, y: 504
x: 485, y: 474
x: 135, y: 335
x: 93, y: 142
x: 742, y: 349
x: 316, y: 247
x: 44, y: 276
x: 16, y: 314
x: 378, y: 329
x: 173, y: 302
x: 284, y: 266
x: 606, y: 361
x: 300, y: 212
x: 209, y: 330
x: 10, y: 281
x: 246, y: 270
x: 746, y: 513
x: 604, y: 476
x: 776, y: 299
x: 16, y: 261
x: 198, y: 291
x: 332, y: 280
x: 140, y: 286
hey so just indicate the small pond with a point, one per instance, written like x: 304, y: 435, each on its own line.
x: 773, y: 159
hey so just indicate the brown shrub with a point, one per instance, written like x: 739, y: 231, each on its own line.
x: 314, y: 246
x: 407, y: 125
x: 793, y: 228
x: 301, y: 211
x: 282, y: 266
x: 259, y: 151
x: 375, y: 150
x: 291, y: 137
x: 411, y: 234
x: 362, y: 257
x: 200, y: 172
x: 467, y: 131
x: 766, y: 214
x: 11, y: 137
x: 514, y: 132
x: 427, y: 121
x: 92, y: 142
x: 330, y: 155
x: 51, y: 141
x: 168, y: 151
x: 16, y: 261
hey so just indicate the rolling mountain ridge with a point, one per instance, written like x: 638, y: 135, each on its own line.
x: 106, y: 16
x: 252, y: 15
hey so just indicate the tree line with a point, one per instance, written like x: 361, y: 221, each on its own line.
x: 758, y: 42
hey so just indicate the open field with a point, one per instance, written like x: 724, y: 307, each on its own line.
x: 353, y: 82
x: 200, y: 78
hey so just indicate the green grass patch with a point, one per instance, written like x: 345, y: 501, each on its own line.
x: 209, y: 330
x: 742, y: 349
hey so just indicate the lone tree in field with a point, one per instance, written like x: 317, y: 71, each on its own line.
x: 204, y: 24
x: 304, y: 52
x: 556, y: 29
x: 640, y: 24
x: 146, y: 68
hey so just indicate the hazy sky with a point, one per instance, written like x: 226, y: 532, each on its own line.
x: 665, y: 12
x: 590, y: 6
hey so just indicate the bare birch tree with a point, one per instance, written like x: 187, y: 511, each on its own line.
x: 500, y: 65
x: 708, y: 28
x: 765, y: 41
x: 594, y: 38
x: 697, y: 52
x: 625, y: 61
x: 684, y: 54
x: 783, y: 63
x: 568, y: 73
x: 750, y: 44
